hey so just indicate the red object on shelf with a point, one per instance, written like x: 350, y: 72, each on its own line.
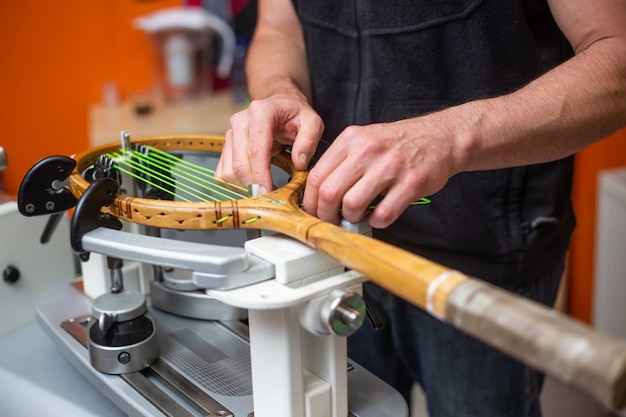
x: 237, y: 5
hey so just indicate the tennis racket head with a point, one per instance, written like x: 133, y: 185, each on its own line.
x: 268, y: 211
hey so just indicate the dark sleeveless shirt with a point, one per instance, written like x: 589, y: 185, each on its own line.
x: 383, y: 60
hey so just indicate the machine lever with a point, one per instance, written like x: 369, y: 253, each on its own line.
x: 209, y: 266
x: 106, y: 321
x: 51, y: 226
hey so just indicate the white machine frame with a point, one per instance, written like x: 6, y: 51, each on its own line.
x: 299, y: 367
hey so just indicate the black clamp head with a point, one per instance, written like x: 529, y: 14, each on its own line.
x: 88, y: 216
x: 43, y: 190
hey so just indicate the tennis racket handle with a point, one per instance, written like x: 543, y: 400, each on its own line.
x: 543, y: 338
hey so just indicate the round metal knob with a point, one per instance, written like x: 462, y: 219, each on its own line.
x: 346, y: 314
x: 341, y: 312
x: 111, y: 308
x: 11, y: 274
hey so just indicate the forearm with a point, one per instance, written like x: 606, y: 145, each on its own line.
x: 276, y: 61
x: 560, y: 113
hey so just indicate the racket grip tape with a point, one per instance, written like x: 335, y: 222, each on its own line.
x: 543, y: 338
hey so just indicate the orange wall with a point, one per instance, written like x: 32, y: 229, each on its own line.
x: 57, y: 54
x: 54, y: 58
x: 606, y: 154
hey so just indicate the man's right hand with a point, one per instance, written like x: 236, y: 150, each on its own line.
x: 261, y: 131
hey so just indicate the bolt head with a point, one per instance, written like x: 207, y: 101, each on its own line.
x: 124, y: 358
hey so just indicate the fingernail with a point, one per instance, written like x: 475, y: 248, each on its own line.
x: 262, y: 190
x: 303, y: 158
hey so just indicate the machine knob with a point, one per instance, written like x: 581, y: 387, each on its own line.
x: 112, y: 308
x: 11, y: 274
x: 346, y: 313
x: 341, y: 312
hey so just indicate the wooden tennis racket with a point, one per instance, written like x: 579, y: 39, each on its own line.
x: 567, y: 350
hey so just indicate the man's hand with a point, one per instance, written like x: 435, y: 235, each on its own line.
x: 401, y: 161
x: 261, y: 131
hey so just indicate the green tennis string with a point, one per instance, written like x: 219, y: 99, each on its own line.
x: 193, y: 182
x: 204, y: 174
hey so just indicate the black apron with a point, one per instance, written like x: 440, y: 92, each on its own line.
x: 383, y: 60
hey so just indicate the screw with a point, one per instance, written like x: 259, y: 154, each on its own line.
x: 30, y: 208
x: 124, y: 358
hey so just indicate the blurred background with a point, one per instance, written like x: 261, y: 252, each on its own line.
x: 73, y: 73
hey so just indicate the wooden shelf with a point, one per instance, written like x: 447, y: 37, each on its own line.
x: 206, y: 115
